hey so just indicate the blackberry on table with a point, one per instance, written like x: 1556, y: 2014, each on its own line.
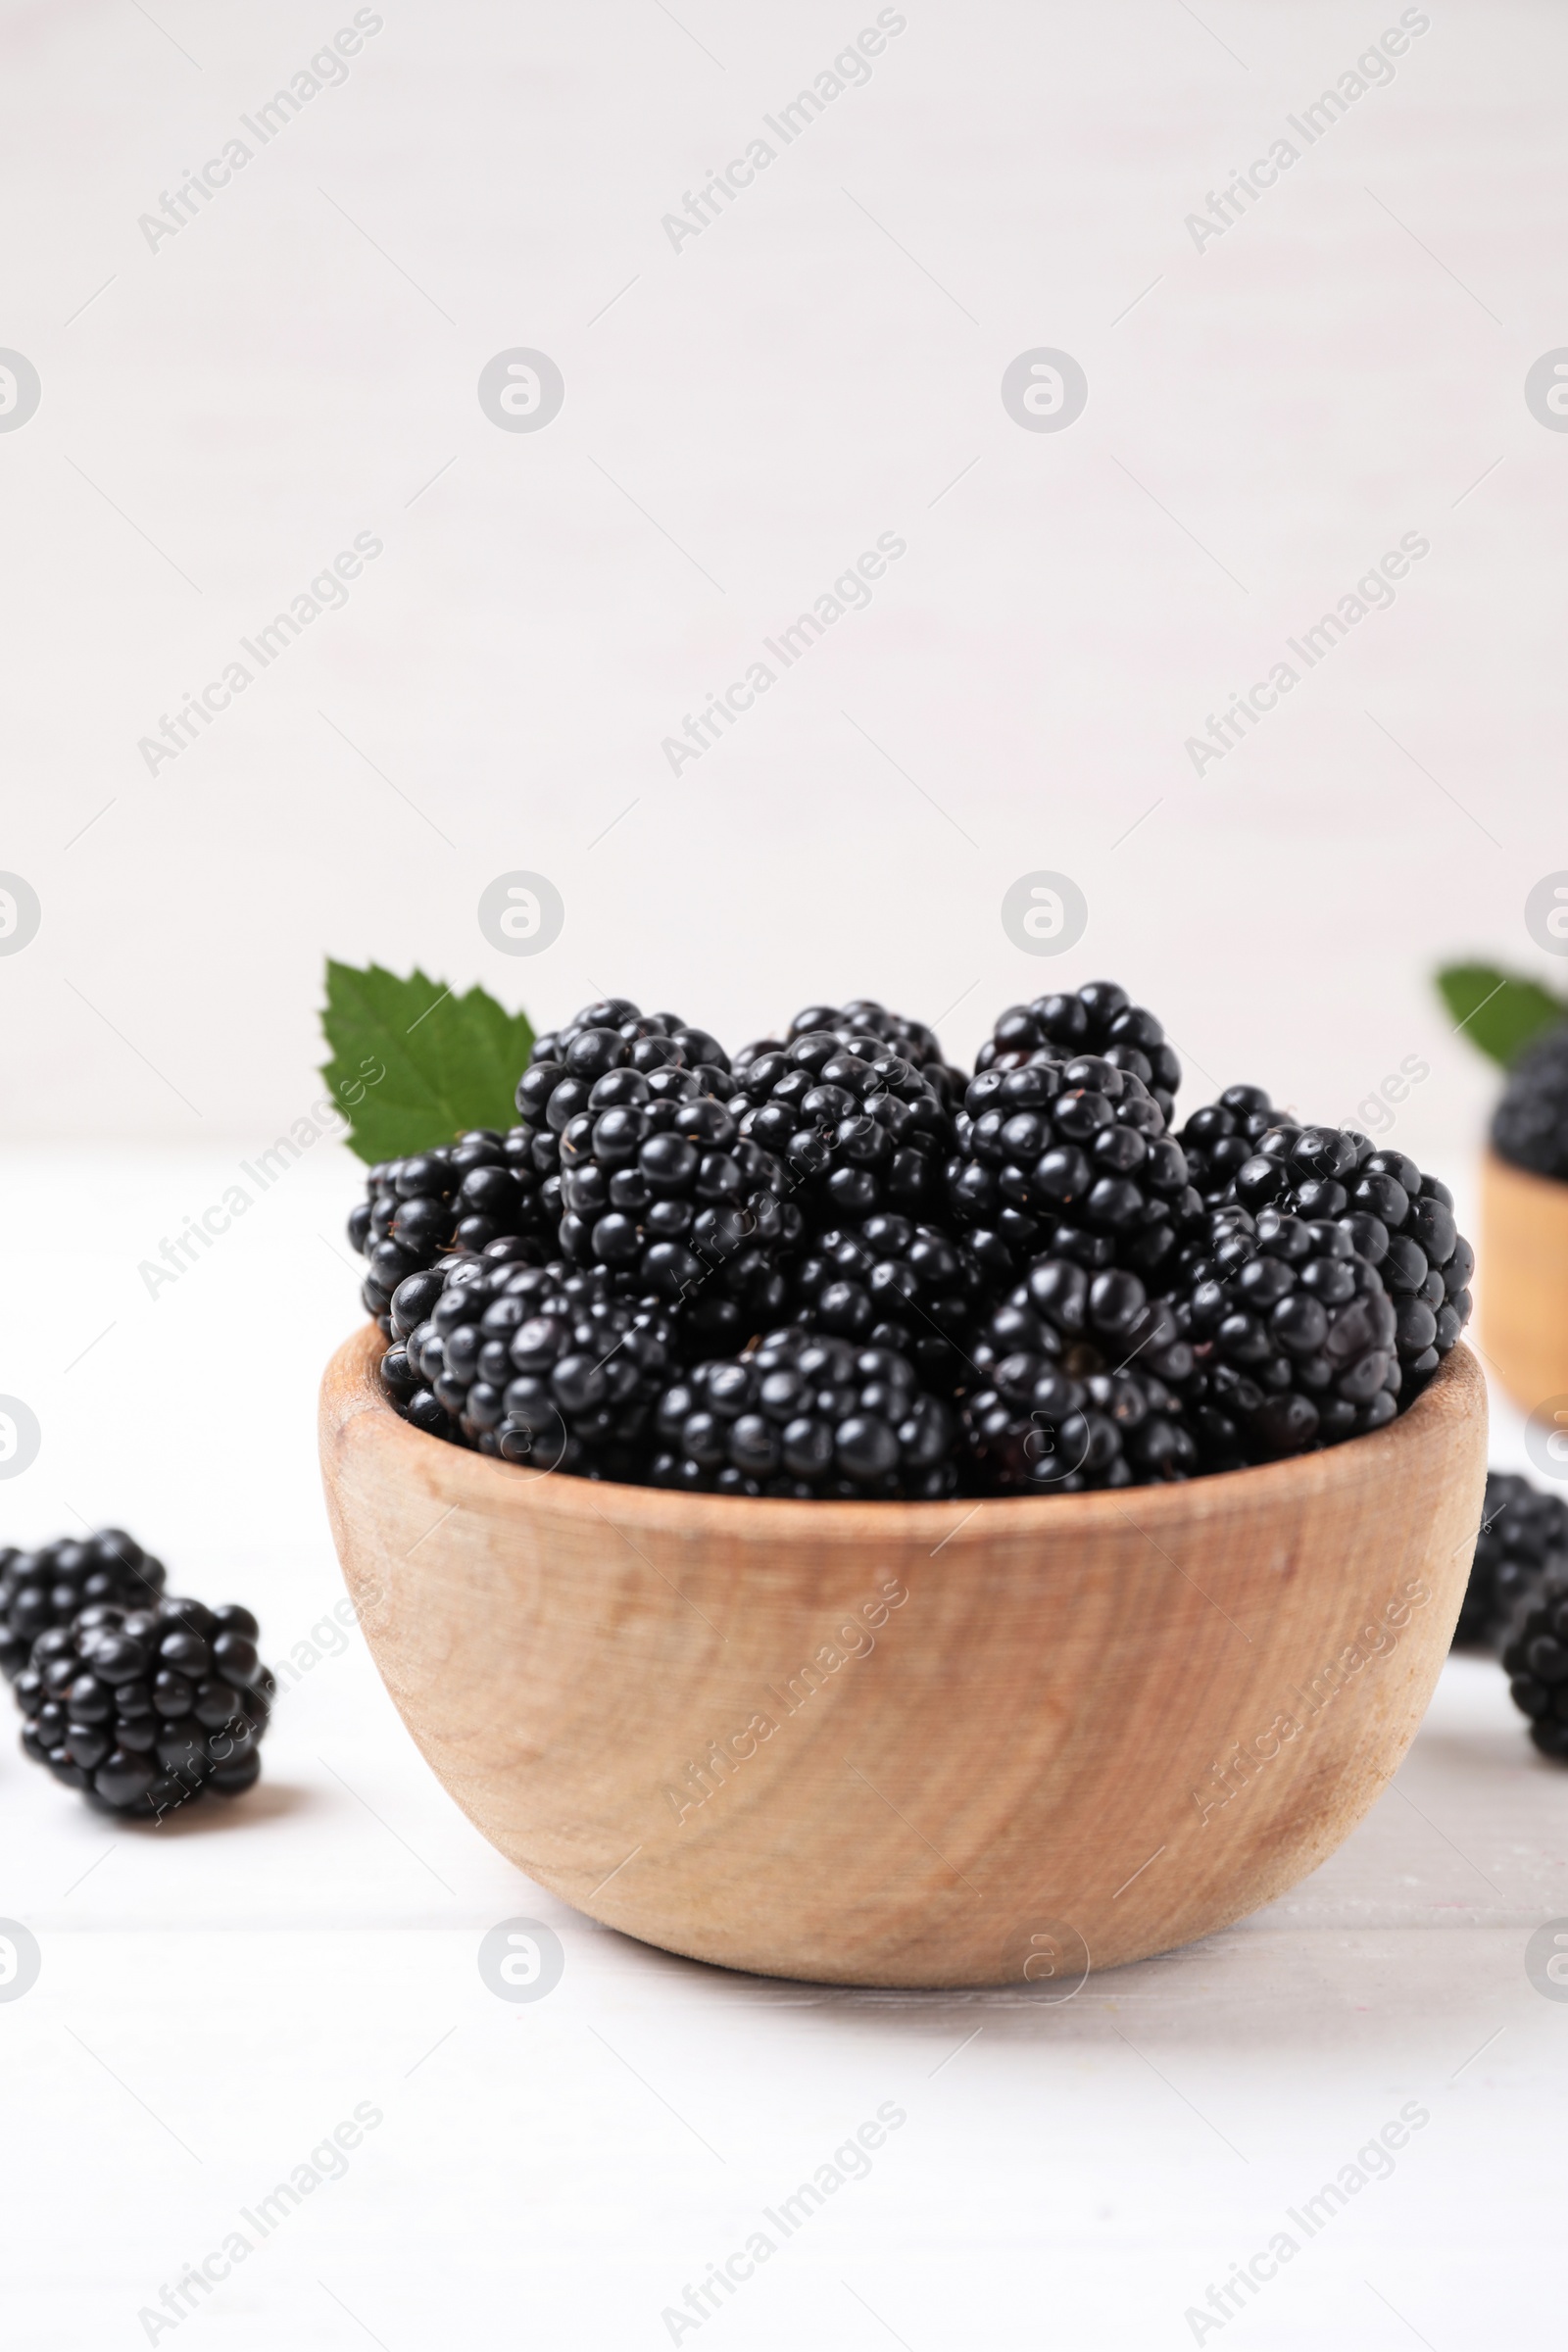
x: 46, y: 1588
x: 1294, y: 1339
x: 1098, y: 1018
x: 144, y: 1709
x: 555, y: 1366
x: 1032, y: 1428
x: 1530, y: 1125
x: 806, y: 1415
x: 1069, y: 1157
x: 858, y: 1127
x: 1398, y: 1219
x: 482, y: 1190
x: 1523, y: 1540
x: 1536, y: 1659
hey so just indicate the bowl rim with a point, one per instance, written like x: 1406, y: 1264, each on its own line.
x: 351, y: 1388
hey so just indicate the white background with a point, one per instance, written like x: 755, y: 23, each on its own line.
x: 220, y: 417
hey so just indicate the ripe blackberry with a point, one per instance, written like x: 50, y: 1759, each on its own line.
x: 694, y: 1047
x: 1399, y: 1220
x: 1221, y: 1137
x: 1214, y: 1244
x: 1293, y: 1337
x: 806, y: 1415
x: 1530, y: 1125
x: 663, y: 1188
x: 1085, y: 1324
x: 868, y: 1020
x: 1535, y: 1658
x: 1523, y: 1540
x: 1098, y: 1018
x: 144, y: 1709
x: 567, y: 1064
x: 1071, y: 1157
x: 464, y: 1195
x: 858, y: 1127
x: 1031, y: 1428
x: 45, y: 1587
x: 887, y: 1282
x: 548, y: 1365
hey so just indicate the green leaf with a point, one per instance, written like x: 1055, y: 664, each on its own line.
x: 412, y: 1066
x: 1498, y: 1011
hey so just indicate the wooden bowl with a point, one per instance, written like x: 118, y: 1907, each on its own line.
x: 1524, y: 1299
x: 910, y: 1743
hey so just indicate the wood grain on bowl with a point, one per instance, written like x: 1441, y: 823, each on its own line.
x: 911, y: 1744
x: 1524, y: 1299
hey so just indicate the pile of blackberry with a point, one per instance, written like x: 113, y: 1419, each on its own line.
x: 1530, y: 1125
x: 835, y: 1265
x: 139, y: 1700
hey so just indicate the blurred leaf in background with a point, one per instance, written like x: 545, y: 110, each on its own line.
x: 1498, y: 1011
x: 447, y: 1062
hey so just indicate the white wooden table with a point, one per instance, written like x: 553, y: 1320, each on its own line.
x: 216, y: 1998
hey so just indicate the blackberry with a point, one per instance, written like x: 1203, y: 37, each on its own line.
x: 566, y: 1065
x: 482, y: 1189
x: 43, y: 1589
x: 858, y: 1127
x: 1293, y: 1338
x: 1530, y: 1125
x: 663, y: 1186
x: 806, y: 1415
x: 1213, y: 1244
x: 1072, y: 1158
x: 549, y: 1365
x: 144, y: 1709
x: 1535, y: 1658
x: 1098, y: 1018
x: 1523, y: 1540
x: 865, y: 1019
x: 1085, y: 1324
x: 1221, y: 1137
x: 1398, y: 1219
x: 694, y: 1047
x: 887, y: 1282
x: 1032, y: 1428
